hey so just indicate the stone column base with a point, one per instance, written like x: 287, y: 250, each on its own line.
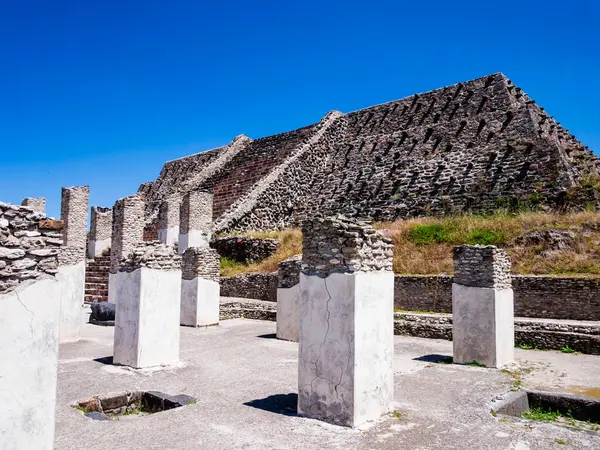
x: 147, y: 317
x: 288, y: 300
x: 483, y: 329
x: 199, y: 302
x: 346, y: 347
x: 29, y: 323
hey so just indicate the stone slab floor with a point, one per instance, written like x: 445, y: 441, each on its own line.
x: 234, y: 371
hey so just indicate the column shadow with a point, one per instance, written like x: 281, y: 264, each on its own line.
x: 285, y: 404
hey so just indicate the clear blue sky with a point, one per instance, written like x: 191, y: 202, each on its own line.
x: 103, y: 93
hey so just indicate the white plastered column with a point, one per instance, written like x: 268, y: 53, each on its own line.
x: 346, y: 347
x: 199, y: 302
x: 96, y: 248
x: 483, y: 329
x: 147, y: 317
x: 72, y: 282
x: 193, y: 238
x: 29, y: 327
x: 168, y: 236
x: 288, y: 322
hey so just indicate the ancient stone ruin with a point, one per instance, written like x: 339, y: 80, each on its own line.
x: 154, y: 264
x: 474, y: 146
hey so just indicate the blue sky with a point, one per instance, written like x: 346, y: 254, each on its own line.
x: 103, y: 93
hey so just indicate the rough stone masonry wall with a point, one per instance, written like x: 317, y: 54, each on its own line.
x: 483, y: 266
x: 196, y: 212
x: 259, y: 286
x: 200, y: 262
x: 29, y: 245
x: 38, y: 204
x: 169, y: 211
x: 270, y: 202
x: 100, y: 223
x: 74, y: 213
x: 474, y: 146
x: 543, y: 297
x: 152, y: 255
x: 128, y: 228
x: 339, y: 244
x: 245, y: 250
x: 288, y: 272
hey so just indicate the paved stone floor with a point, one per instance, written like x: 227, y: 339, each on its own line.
x: 245, y: 383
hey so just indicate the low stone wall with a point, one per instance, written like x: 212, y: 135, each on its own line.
x: 245, y: 250
x: 543, y: 297
x: 260, y: 286
x: 542, y: 335
x: 423, y: 293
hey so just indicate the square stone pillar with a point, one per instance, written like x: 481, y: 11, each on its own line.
x: 71, y: 260
x: 127, y: 233
x: 100, y: 231
x: 195, y: 224
x: 37, y: 204
x: 168, y: 221
x: 346, y: 346
x: 482, y: 306
x: 288, y: 298
x: 147, y: 313
x: 29, y: 327
x: 200, y: 290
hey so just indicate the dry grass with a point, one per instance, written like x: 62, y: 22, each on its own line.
x: 290, y: 244
x: 424, y: 245
x: 430, y: 252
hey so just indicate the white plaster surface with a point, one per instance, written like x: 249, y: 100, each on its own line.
x: 199, y: 302
x: 483, y: 328
x: 147, y: 317
x: 29, y: 321
x: 168, y: 236
x: 113, y: 292
x: 345, y: 373
x: 288, y: 321
x: 72, y: 282
x: 96, y: 248
x: 193, y: 238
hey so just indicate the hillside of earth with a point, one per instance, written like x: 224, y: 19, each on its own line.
x: 538, y: 243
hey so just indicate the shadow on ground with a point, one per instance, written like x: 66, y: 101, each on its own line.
x: 433, y: 358
x: 105, y: 360
x: 268, y: 336
x: 285, y: 404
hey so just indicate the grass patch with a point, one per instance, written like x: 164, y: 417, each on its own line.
x: 567, y: 349
x: 560, y: 442
x: 541, y: 415
x: 486, y: 237
x: 397, y: 415
x: 475, y: 364
x: 525, y: 347
x: 434, y: 233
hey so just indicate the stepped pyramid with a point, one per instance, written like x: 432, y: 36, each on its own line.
x: 473, y: 146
